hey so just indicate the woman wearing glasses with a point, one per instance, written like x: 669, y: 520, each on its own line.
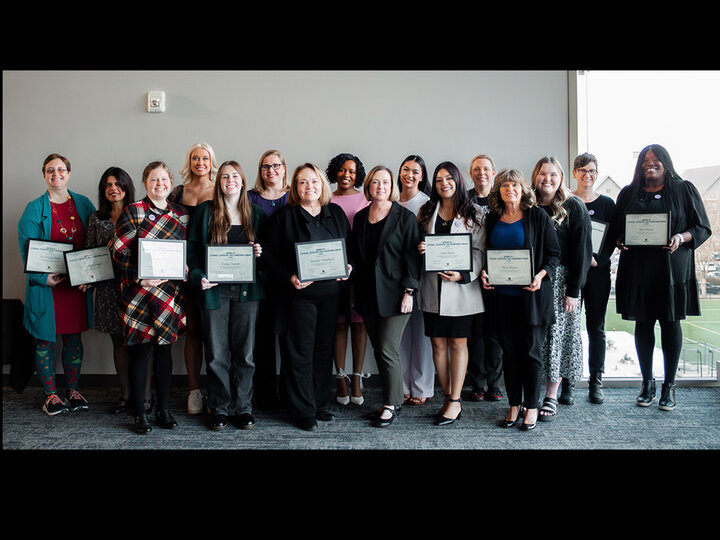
x: 596, y: 292
x: 198, y: 173
x: 269, y: 194
x: 52, y: 306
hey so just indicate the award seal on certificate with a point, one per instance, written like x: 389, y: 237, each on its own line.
x: 647, y: 229
x: 509, y: 266
x: 46, y: 256
x: 161, y: 258
x: 321, y: 260
x: 89, y: 265
x: 448, y: 252
x: 230, y: 263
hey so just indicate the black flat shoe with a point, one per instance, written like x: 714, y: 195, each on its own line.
x: 385, y: 422
x: 220, y: 421
x: 142, y: 424
x: 324, y: 416
x: 245, y: 421
x: 308, y: 424
x: 164, y: 419
x: 445, y: 421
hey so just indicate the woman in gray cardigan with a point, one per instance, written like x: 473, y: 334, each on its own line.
x: 229, y: 310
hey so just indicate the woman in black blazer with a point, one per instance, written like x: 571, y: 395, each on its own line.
x: 521, y: 314
x: 308, y: 310
x: 384, y: 242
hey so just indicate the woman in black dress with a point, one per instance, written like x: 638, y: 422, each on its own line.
x: 659, y: 283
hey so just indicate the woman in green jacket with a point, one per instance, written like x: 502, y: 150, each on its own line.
x: 229, y: 310
x: 52, y: 306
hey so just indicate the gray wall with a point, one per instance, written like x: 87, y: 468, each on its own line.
x: 98, y: 119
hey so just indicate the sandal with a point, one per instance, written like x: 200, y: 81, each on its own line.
x: 121, y: 407
x: 548, y: 410
x: 417, y: 400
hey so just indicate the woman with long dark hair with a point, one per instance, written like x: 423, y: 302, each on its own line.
x: 229, y: 310
x: 659, y: 283
x: 450, y: 299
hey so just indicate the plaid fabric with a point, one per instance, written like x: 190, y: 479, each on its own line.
x: 150, y: 314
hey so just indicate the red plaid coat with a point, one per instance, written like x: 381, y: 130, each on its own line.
x: 150, y: 314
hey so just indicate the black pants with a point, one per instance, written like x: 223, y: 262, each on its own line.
x: 484, y: 356
x: 671, y: 338
x: 139, y: 356
x: 265, y: 378
x: 521, y: 346
x: 306, y: 352
x: 595, y: 297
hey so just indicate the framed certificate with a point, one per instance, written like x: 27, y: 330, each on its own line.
x: 647, y: 229
x: 161, y: 258
x: 321, y: 260
x: 598, y: 234
x: 89, y: 265
x: 46, y: 256
x: 510, y: 266
x: 230, y: 263
x: 448, y: 252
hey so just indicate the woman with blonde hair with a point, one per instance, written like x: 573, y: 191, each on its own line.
x: 308, y: 311
x: 562, y: 352
x: 229, y: 310
x: 198, y: 174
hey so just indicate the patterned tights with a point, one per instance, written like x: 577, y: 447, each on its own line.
x: 72, y: 356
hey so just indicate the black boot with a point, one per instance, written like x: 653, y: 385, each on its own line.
x: 567, y: 396
x: 142, y: 424
x: 164, y: 419
x: 595, y: 386
x: 647, y: 394
x: 667, y: 397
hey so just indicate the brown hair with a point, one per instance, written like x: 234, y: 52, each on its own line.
x: 221, y: 222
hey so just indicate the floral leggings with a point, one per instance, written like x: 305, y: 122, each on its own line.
x: 72, y: 355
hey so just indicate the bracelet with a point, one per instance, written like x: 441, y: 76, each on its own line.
x: 682, y: 240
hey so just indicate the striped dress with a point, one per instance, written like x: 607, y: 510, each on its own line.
x: 150, y: 314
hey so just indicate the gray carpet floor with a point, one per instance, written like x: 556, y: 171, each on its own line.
x: 618, y: 424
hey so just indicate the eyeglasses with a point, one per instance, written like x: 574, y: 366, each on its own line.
x: 274, y: 167
x: 583, y: 172
x: 51, y: 170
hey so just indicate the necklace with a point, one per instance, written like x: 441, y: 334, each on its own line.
x: 63, y: 229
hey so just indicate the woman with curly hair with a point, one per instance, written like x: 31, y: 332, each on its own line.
x: 449, y: 299
x: 348, y: 172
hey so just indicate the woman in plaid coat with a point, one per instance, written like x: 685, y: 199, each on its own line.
x: 152, y: 314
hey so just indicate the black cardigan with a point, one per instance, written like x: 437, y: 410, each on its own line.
x: 541, y: 237
x: 397, y: 266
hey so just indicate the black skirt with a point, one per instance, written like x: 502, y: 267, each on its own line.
x: 446, y: 326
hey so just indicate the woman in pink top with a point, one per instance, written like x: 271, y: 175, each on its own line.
x: 347, y: 171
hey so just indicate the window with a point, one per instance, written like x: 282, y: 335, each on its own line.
x: 617, y: 114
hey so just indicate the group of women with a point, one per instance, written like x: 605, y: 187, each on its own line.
x: 456, y: 324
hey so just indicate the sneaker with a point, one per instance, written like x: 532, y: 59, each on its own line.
x: 195, y: 402
x: 75, y: 400
x: 54, y: 405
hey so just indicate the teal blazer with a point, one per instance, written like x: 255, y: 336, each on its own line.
x: 39, y: 312
x: 199, y: 237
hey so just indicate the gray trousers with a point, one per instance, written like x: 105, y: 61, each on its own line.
x: 229, y: 339
x: 385, y: 334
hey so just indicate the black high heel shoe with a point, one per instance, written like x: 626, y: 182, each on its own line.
x: 505, y: 423
x: 444, y: 420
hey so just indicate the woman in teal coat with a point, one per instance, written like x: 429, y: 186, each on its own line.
x: 52, y: 306
x: 229, y: 310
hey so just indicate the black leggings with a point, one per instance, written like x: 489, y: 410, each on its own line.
x: 671, y: 339
x: 139, y: 356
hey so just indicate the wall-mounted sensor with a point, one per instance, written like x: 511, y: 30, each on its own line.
x: 156, y: 102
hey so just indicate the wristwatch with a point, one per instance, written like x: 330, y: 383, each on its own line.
x: 410, y: 292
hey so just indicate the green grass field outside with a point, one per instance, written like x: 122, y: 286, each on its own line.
x: 703, y: 329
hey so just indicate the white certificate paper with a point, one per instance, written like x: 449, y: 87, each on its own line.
x: 46, y: 256
x: 161, y: 258
x: 509, y: 266
x: 448, y: 252
x: 231, y: 263
x: 647, y: 229
x: 321, y: 260
x: 599, y: 231
x: 89, y: 265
